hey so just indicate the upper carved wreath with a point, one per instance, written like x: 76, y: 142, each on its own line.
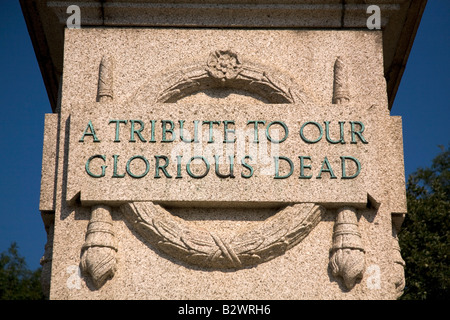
x: 224, y: 69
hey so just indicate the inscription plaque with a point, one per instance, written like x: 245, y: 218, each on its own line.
x: 180, y: 154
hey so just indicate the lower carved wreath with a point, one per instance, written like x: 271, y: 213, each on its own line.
x: 199, y: 247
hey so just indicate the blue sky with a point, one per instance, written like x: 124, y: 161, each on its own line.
x: 422, y: 102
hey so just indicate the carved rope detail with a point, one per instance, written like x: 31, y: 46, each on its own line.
x: 225, y: 69
x: 270, y: 239
x: 106, y: 79
x: 347, y: 252
x: 341, y: 94
x: 98, y: 258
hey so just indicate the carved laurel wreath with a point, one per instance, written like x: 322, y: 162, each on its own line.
x: 177, y: 238
x: 225, y: 69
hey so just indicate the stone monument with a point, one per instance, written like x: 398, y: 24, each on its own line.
x: 222, y: 149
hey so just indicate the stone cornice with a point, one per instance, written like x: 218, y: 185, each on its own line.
x: 221, y: 13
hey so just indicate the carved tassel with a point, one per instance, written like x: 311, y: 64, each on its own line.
x: 99, y: 250
x: 341, y: 92
x: 347, y: 259
x: 106, y: 79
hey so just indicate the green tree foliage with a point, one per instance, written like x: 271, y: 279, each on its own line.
x: 425, y: 235
x: 17, y: 282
